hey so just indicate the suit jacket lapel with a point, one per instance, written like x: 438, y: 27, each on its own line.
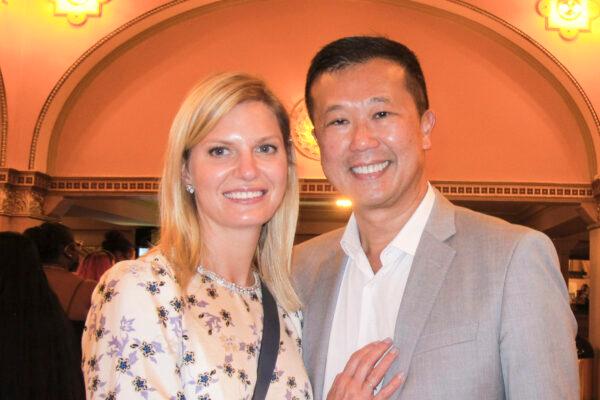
x: 428, y: 271
x: 319, y: 318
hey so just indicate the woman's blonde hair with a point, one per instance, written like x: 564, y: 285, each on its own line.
x: 180, y: 237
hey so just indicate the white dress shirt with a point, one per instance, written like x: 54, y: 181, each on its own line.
x: 368, y: 303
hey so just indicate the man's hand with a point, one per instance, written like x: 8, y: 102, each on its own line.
x: 363, y: 372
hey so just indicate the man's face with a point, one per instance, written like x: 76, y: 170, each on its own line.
x: 371, y: 136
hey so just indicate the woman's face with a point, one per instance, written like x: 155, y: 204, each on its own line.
x: 239, y: 170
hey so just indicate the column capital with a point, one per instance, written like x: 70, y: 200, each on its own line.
x: 22, y: 193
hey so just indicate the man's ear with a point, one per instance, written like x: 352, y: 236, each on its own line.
x: 427, y: 124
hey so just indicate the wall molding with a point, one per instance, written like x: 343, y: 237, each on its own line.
x: 323, y: 189
x: 3, y: 122
x: 22, y: 193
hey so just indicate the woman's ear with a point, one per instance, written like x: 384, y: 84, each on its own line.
x: 185, y: 174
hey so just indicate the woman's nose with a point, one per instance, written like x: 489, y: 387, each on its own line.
x: 247, y: 166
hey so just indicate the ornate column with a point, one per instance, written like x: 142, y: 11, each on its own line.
x: 22, y: 196
x: 594, y: 315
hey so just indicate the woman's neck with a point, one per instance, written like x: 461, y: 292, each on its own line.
x: 230, y: 253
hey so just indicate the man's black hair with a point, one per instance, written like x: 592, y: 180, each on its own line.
x: 354, y: 50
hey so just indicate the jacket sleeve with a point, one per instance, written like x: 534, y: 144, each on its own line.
x: 133, y: 338
x: 537, y: 333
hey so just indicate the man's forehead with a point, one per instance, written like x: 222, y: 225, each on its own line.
x: 370, y: 72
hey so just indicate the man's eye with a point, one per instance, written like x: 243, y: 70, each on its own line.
x: 218, y: 151
x: 267, y: 148
x: 381, y: 114
x: 337, y: 121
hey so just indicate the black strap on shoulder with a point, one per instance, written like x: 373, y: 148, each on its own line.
x: 269, y: 344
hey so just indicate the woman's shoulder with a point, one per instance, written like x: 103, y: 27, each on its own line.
x: 151, y: 272
x: 150, y: 266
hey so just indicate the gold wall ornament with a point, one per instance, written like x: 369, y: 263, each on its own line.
x: 78, y: 11
x: 569, y: 17
x: 302, y: 132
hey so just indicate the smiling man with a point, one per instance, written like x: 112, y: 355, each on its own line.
x: 476, y: 307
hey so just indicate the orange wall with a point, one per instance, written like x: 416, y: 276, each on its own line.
x: 499, y: 119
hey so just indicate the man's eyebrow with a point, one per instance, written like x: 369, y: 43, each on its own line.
x: 333, y: 107
x: 378, y: 100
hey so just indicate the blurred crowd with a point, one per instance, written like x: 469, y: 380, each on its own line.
x: 46, y: 282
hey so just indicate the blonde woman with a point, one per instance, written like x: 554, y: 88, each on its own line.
x: 185, y: 321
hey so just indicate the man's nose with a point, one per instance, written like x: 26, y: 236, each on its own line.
x: 247, y: 167
x: 363, y: 137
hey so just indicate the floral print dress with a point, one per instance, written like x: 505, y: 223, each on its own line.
x: 146, y: 339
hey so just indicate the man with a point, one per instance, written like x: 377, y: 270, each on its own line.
x: 476, y: 307
x: 59, y: 254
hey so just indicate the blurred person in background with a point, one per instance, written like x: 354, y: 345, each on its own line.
x: 59, y: 254
x: 118, y: 245
x: 95, y: 264
x: 38, y: 349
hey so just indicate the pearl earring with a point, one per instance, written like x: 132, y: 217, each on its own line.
x: 189, y: 188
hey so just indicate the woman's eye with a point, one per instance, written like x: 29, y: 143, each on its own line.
x: 218, y: 151
x: 267, y: 148
x: 381, y: 114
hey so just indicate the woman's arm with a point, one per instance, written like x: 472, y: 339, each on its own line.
x: 133, y: 338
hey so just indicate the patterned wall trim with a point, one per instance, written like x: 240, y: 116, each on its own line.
x: 322, y: 188
x: 22, y: 193
x: 104, y: 185
x: 3, y: 122
x: 516, y: 191
x: 480, y: 190
x: 13, y: 177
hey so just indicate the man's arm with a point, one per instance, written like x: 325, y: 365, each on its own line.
x: 537, y: 334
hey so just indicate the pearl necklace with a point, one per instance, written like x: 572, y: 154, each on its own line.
x: 218, y: 279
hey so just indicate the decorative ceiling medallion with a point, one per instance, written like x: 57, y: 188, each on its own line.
x: 302, y: 132
x: 568, y: 17
x: 78, y: 11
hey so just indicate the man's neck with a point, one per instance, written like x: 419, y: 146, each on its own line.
x: 378, y: 227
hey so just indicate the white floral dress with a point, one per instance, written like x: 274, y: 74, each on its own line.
x: 146, y: 339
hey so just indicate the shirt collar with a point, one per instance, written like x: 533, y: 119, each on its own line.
x: 406, y: 240
x: 409, y: 236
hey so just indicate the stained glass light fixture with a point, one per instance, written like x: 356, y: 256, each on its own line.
x: 78, y: 11
x: 569, y: 17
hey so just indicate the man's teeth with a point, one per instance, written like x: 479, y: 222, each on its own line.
x: 243, y: 195
x: 371, y: 168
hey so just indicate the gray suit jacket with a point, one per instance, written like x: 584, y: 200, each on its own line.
x: 485, y: 312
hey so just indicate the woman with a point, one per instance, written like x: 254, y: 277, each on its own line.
x: 95, y: 264
x: 38, y: 349
x: 185, y: 321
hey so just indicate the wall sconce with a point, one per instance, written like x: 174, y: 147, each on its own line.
x: 343, y: 203
x: 78, y: 11
x: 302, y: 132
x: 568, y: 17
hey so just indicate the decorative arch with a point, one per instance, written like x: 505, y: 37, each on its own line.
x: 3, y: 122
x: 109, y: 47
